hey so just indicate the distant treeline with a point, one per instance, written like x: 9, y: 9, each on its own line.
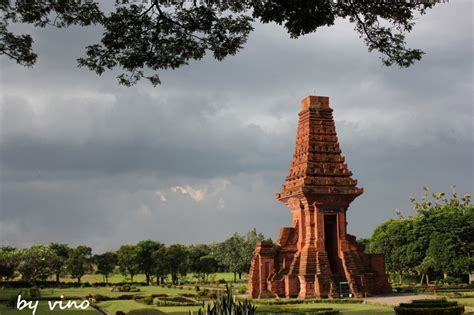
x: 152, y: 258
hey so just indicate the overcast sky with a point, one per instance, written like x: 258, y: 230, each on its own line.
x: 202, y: 155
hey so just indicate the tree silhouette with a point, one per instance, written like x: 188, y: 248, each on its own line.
x: 143, y: 37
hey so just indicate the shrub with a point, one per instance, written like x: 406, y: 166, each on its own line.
x: 125, y: 297
x: 222, y: 281
x: 306, y: 301
x: 174, y: 302
x: 125, y: 288
x: 226, y: 304
x: 212, y: 294
x: 100, y: 297
x: 429, y: 307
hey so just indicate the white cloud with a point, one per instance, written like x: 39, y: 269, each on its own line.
x: 211, y: 189
x: 195, y: 194
x: 161, y: 195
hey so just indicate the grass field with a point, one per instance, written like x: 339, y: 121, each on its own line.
x: 43, y: 309
x: 125, y: 306
x: 116, y: 278
x: 129, y: 305
x: 82, y: 292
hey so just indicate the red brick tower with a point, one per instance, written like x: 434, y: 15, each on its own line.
x: 316, y: 253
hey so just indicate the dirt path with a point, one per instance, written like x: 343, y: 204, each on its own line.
x: 394, y: 300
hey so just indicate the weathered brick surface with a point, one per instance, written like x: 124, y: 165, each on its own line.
x: 317, y: 191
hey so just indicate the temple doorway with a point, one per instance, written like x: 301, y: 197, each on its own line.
x: 331, y: 242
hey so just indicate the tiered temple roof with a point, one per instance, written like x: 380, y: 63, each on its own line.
x: 318, y: 166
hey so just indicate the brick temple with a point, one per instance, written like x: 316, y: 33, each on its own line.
x: 315, y: 257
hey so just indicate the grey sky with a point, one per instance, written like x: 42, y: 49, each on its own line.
x: 201, y: 156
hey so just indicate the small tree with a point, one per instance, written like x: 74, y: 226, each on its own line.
x: 195, y: 252
x: 62, y: 253
x: 230, y: 254
x: 106, y: 263
x: 80, y: 262
x: 127, y: 259
x: 8, y: 262
x: 397, y: 240
x: 207, y: 265
x: 176, y: 259
x: 146, y: 262
x: 36, y: 263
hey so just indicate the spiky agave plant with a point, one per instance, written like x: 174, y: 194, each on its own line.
x: 225, y: 304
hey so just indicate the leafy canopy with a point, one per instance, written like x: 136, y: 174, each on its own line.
x: 439, y: 238
x: 144, y: 37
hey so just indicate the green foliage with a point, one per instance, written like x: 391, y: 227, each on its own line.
x: 62, y: 252
x: 40, y: 14
x: 195, y: 252
x: 305, y: 301
x: 145, y: 256
x: 141, y: 39
x: 364, y: 243
x: 398, y: 240
x: 8, y: 262
x: 207, y: 265
x: 429, y: 307
x: 36, y: 262
x: 128, y: 261
x: 225, y: 304
x: 106, y: 263
x: 438, y: 239
x: 235, y: 253
x: 176, y: 258
x: 79, y: 262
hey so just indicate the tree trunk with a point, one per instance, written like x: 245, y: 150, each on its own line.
x: 400, y: 275
x: 78, y: 280
x: 422, y: 278
x: 240, y: 275
x: 235, y: 276
x: 147, y: 275
x: 131, y: 278
x: 58, y: 275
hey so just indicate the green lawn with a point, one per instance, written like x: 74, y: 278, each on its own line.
x: 349, y: 309
x: 43, y: 309
x: 82, y: 292
x: 116, y: 278
x: 464, y: 301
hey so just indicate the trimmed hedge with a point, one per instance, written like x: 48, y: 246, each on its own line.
x: 429, y: 307
x: 159, y: 302
x: 289, y: 310
x: 305, y: 301
x: 451, y: 310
